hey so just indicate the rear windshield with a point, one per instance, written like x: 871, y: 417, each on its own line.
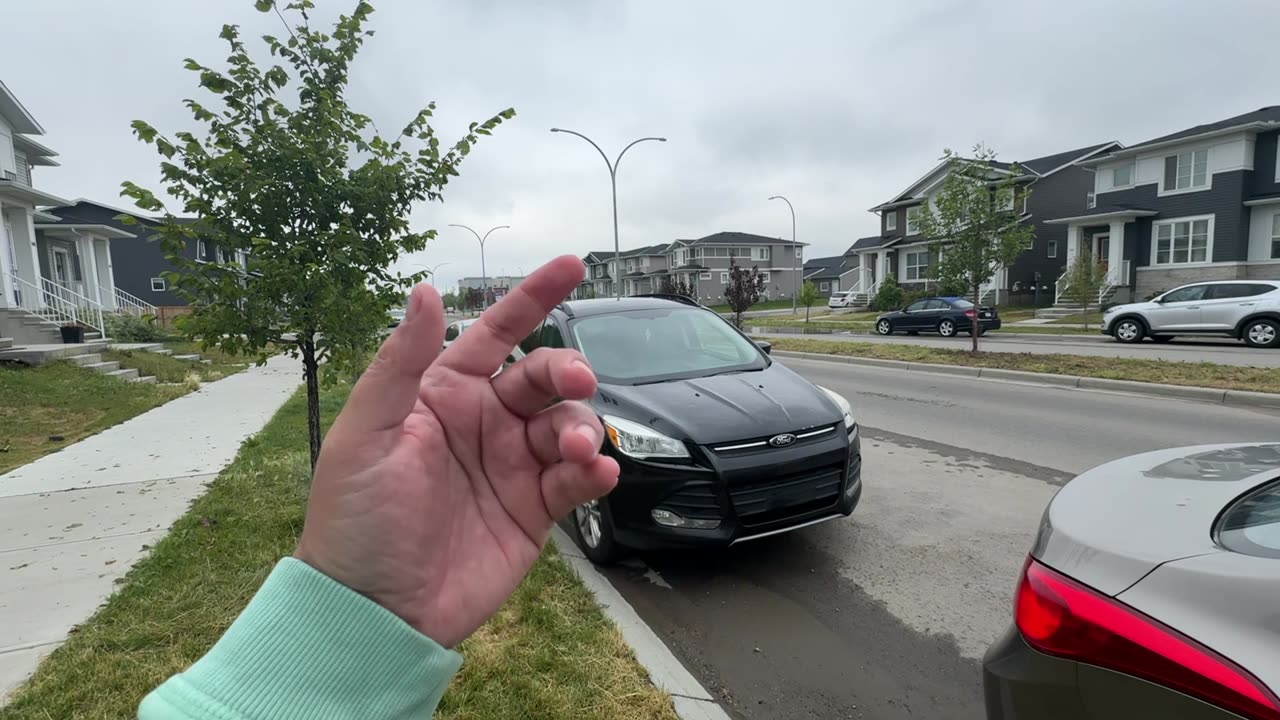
x: 960, y: 303
x: 1252, y: 525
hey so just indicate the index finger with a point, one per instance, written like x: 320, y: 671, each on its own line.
x: 485, y: 345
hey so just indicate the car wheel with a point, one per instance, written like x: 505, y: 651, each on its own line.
x: 593, y: 532
x: 1262, y: 334
x: 947, y: 328
x: 884, y: 327
x: 1161, y: 338
x: 1128, y: 330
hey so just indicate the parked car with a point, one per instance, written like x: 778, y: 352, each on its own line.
x: 943, y: 315
x: 717, y: 443
x: 1151, y: 592
x: 397, y: 317
x: 1247, y: 310
x: 841, y: 299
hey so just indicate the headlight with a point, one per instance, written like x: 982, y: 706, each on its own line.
x: 838, y: 399
x: 639, y: 441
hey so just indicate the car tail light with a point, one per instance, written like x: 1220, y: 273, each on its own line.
x: 970, y: 314
x: 1059, y: 616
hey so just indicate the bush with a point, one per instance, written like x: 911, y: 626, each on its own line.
x: 130, y: 328
x: 953, y: 288
x: 889, y: 296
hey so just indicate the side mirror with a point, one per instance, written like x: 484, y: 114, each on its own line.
x: 906, y: 309
x: 767, y: 347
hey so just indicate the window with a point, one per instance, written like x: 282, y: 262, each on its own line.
x: 1190, y: 293
x: 1182, y: 241
x: 913, y: 220
x: 704, y: 276
x: 1008, y: 200
x: 158, y: 285
x: 1252, y: 525
x: 891, y: 221
x: 937, y: 304
x: 1052, y: 248
x: 824, y: 287
x: 760, y: 253
x: 798, y: 253
x: 724, y: 278
x: 917, y: 265
x: 917, y: 306
x: 1026, y: 195
x: 1122, y: 176
x: 1228, y: 291
x: 644, y: 261
x: 201, y: 250
x: 1090, y: 200
x: 766, y: 275
x: 1186, y: 170
x: 1275, y: 236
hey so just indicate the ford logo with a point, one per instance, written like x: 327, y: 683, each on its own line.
x: 782, y: 440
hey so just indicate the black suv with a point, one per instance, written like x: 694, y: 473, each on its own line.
x: 717, y: 443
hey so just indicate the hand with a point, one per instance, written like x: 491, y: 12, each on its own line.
x: 438, y: 484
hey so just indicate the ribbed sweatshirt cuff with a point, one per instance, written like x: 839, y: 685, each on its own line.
x: 309, y: 647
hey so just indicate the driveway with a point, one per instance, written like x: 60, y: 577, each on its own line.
x: 887, y: 614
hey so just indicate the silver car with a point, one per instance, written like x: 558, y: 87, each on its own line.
x: 1152, y: 591
x: 1247, y: 310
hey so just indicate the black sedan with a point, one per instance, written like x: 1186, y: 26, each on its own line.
x: 943, y: 315
x: 717, y: 444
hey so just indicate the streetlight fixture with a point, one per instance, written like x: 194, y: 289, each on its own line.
x: 795, y: 251
x: 484, y: 278
x: 431, y: 269
x: 613, y: 181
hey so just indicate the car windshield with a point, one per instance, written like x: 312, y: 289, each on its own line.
x: 632, y: 348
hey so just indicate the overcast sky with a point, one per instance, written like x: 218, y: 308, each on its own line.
x: 836, y: 104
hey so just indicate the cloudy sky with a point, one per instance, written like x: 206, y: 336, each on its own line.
x: 837, y: 104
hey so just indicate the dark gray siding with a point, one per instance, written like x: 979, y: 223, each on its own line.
x: 1264, y: 165
x: 901, y: 214
x: 1225, y: 201
x: 1062, y: 194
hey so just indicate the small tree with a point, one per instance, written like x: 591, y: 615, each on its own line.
x: 888, y: 295
x: 1084, y: 282
x: 667, y: 286
x: 474, y: 298
x: 807, y: 297
x: 972, y: 224
x: 744, y: 289
x: 587, y: 292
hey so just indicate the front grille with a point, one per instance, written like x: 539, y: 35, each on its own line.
x: 694, y: 500
x: 762, y: 443
x: 787, y: 495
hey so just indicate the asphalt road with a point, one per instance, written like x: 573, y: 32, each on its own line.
x: 1191, y: 350
x: 887, y: 614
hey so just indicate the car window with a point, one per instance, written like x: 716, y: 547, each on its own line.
x: 1186, y: 294
x: 936, y: 304
x: 1252, y: 525
x: 551, y: 336
x: 657, y: 344
x: 452, y: 332
x: 917, y: 306
x: 535, y: 339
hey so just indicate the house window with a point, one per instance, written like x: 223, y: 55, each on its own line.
x: 1186, y: 170
x: 158, y: 285
x: 917, y: 265
x: 1052, y: 249
x: 706, y: 276
x: 1122, y: 176
x: 202, y: 251
x: 1183, y: 241
x: 760, y: 253
x: 913, y: 220
x: 766, y: 276
x: 1275, y: 236
x: 1008, y: 200
x: 1026, y: 195
x: 799, y: 254
x: 891, y: 221
x: 824, y: 287
x: 724, y: 278
x: 1090, y: 200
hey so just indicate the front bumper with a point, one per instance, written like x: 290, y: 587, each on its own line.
x: 752, y: 494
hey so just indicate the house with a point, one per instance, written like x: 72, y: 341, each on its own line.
x: 498, y: 285
x: 1199, y: 204
x: 830, y: 274
x: 601, y: 271
x: 644, y: 269
x: 52, y: 273
x: 1058, y: 186
x: 704, y: 262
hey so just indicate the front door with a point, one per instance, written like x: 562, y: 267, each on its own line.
x: 1101, y: 250
x: 60, y: 266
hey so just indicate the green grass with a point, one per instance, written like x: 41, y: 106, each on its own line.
x: 549, y: 653
x: 766, y: 305
x: 216, y: 356
x: 167, y: 369
x: 1227, y: 377
x: 60, y: 399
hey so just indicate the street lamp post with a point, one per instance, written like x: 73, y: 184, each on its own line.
x: 431, y: 269
x: 613, y: 181
x: 795, y: 250
x: 484, y: 278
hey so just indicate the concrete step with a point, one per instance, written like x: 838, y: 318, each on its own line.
x: 124, y: 374
x: 6, y: 343
x: 162, y: 351
x: 106, y: 368
x: 86, y: 359
x: 90, y: 335
x: 145, y: 379
x: 193, y: 358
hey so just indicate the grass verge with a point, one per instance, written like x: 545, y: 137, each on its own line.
x: 64, y: 401
x: 549, y: 653
x: 167, y: 369
x: 213, y: 354
x: 1227, y: 377
x: 766, y: 305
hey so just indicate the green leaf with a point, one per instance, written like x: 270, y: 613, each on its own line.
x: 145, y: 132
x: 264, y: 5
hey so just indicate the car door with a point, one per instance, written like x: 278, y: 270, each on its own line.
x: 1226, y: 305
x: 1178, y: 309
x: 915, y: 316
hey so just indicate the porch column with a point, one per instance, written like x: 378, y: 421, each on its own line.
x: 1073, y: 242
x: 6, y: 285
x: 106, y: 275
x: 1115, y: 254
x: 28, y: 256
x: 88, y: 268
x: 882, y: 265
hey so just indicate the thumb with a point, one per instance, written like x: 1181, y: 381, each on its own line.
x: 388, y: 390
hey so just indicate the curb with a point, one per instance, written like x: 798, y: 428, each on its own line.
x: 691, y: 699
x: 1026, y: 337
x: 1238, y: 398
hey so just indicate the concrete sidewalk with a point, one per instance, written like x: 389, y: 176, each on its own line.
x: 73, y: 522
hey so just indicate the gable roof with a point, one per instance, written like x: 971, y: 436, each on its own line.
x: 729, y: 237
x: 1262, y: 119
x: 19, y: 118
x: 825, y: 267
x: 873, y: 241
x: 1052, y: 163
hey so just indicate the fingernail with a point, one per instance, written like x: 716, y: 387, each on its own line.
x: 414, y: 302
x: 586, y: 431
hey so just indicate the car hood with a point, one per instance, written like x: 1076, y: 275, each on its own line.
x: 1117, y: 522
x: 723, y: 408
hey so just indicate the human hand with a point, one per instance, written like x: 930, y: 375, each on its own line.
x: 438, y: 484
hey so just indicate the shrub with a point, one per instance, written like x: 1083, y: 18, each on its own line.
x: 889, y: 296
x: 130, y: 328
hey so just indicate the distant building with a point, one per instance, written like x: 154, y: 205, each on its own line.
x: 499, y: 285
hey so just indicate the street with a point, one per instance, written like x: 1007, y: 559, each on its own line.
x: 886, y: 614
x: 1214, y: 350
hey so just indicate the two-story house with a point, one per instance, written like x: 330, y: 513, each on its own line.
x: 643, y: 269
x: 601, y: 272
x: 704, y: 263
x: 1057, y: 185
x: 1198, y: 204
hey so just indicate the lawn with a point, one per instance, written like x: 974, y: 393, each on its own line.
x: 213, y: 354
x: 765, y: 305
x: 167, y: 369
x: 1163, y: 371
x: 60, y: 400
x: 549, y: 653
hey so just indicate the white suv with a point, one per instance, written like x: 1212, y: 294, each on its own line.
x: 1248, y: 310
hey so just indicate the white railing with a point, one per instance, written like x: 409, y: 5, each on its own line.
x: 132, y: 304
x: 50, y: 301
x: 1117, y: 276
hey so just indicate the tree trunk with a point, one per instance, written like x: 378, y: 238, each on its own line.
x: 806, y: 313
x: 311, y: 371
x: 974, y: 329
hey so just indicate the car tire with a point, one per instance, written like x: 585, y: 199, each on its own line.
x: 593, y: 532
x: 884, y: 327
x: 1128, y: 330
x: 947, y: 328
x: 1262, y: 333
x: 1161, y: 338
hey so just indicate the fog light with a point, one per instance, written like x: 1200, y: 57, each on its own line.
x: 666, y: 518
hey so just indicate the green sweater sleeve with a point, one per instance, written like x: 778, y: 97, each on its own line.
x: 309, y: 647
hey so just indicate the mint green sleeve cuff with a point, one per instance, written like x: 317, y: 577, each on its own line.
x: 309, y: 647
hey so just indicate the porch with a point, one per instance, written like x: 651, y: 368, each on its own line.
x: 1102, y: 234
x: 911, y: 267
